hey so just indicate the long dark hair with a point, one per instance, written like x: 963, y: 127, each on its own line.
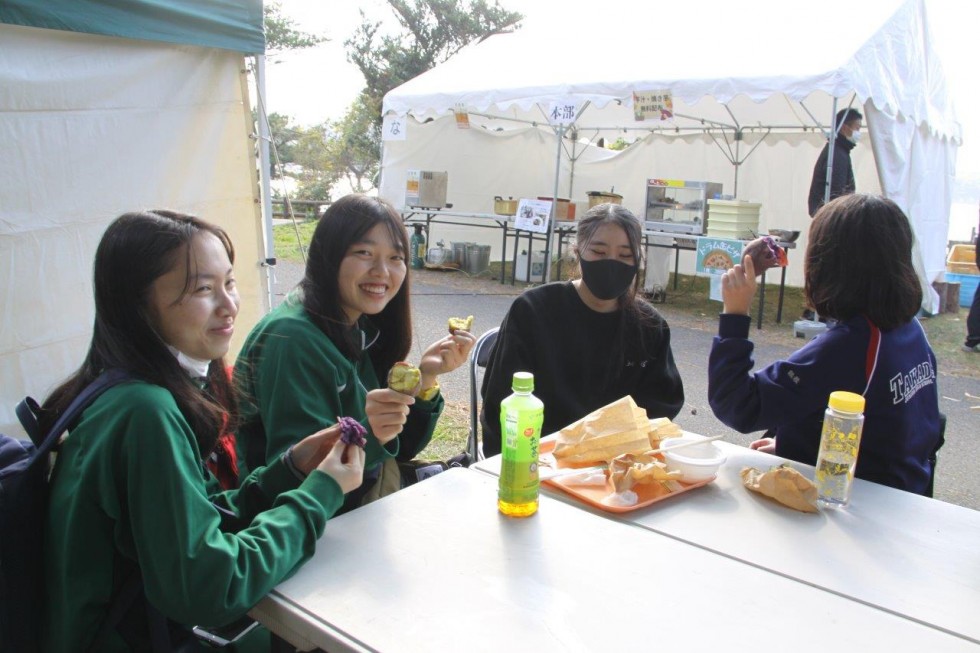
x: 346, y: 222
x: 136, y: 250
x: 636, y: 312
x: 859, y: 262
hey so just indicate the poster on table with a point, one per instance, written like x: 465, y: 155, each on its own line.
x: 533, y: 215
x: 714, y: 257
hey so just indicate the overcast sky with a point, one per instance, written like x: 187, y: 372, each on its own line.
x: 318, y: 84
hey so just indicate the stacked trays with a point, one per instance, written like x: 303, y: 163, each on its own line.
x: 733, y: 219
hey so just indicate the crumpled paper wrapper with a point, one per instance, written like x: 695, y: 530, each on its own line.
x: 784, y: 484
x: 617, y: 428
x: 630, y: 469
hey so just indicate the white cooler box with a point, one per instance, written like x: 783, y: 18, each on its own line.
x: 537, y: 267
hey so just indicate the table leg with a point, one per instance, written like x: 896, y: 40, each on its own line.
x: 782, y: 287
x: 503, y: 252
x: 513, y: 267
x: 561, y: 239
x: 677, y: 260
x: 762, y: 297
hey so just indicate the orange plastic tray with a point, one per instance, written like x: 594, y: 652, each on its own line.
x: 594, y: 495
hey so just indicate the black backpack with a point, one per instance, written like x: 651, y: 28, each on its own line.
x: 24, y: 469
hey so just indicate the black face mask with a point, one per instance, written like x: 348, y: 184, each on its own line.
x: 607, y: 278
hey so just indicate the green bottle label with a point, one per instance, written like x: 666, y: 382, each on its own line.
x: 521, y: 417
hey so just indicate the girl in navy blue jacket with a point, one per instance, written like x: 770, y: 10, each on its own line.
x: 858, y: 271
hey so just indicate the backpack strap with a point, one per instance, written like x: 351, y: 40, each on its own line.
x: 27, y: 411
x: 102, y: 383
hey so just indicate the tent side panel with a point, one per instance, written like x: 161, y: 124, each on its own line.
x: 916, y: 169
x: 99, y: 127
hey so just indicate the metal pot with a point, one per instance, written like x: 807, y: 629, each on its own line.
x: 599, y: 197
x: 503, y: 206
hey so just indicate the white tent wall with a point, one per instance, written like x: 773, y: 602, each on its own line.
x: 917, y: 170
x: 521, y: 163
x: 92, y: 127
x: 730, y: 74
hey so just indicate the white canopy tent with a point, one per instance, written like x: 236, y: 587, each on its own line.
x: 751, y: 107
x: 150, y: 112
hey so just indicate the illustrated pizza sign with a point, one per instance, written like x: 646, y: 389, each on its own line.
x: 715, y: 255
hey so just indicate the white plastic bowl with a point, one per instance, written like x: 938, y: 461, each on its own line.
x: 698, y: 462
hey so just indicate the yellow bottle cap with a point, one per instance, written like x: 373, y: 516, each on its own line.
x: 846, y: 402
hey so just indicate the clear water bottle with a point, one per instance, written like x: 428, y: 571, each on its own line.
x: 840, y: 441
x: 521, y: 416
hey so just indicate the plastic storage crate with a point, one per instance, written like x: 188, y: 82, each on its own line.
x: 733, y: 219
x: 968, y: 286
x: 962, y: 259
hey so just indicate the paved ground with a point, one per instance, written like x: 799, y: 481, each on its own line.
x: 437, y: 295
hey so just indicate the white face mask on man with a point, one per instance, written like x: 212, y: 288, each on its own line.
x: 855, y: 136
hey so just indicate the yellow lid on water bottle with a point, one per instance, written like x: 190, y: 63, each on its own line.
x: 846, y: 402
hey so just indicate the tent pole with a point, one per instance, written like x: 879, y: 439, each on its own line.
x: 554, y: 212
x: 738, y: 162
x: 831, y: 138
x: 264, y: 182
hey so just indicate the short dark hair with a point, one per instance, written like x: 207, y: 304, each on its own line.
x: 137, y: 249
x: 845, y: 116
x: 859, y: 262
x: 344, y: 223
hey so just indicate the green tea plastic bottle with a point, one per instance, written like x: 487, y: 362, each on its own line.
x: 521, y: 416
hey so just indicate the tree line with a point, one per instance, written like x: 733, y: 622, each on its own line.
x: 429, y: 32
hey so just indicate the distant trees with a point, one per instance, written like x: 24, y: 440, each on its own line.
x: 281, y: 33
x: 430, y: 32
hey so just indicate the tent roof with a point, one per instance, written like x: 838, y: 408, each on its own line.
x: 877, y: 50
x: 227, y: 24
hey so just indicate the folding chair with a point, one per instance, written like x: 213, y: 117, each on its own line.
x: 479, y: 357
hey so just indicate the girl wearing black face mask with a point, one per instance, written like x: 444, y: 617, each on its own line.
x: 589, y: 341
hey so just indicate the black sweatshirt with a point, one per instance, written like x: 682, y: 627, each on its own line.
x: 570, y: 349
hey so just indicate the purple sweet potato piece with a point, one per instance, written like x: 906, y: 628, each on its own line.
x: 351, y: 432
x: 765, y: 254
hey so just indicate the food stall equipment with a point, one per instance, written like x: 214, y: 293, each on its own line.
x: 426, y: 188
x: 679, y: 206
x: 599, y: 197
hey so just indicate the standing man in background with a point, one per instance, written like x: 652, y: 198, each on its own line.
x: 848, y: 130
x: 973, y: 319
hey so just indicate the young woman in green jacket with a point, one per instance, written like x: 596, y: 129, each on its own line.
x: 130, y: 493
x: 327, y: 349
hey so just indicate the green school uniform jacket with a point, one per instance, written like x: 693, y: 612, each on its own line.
x: 130, y: 485
x: 293, y: 381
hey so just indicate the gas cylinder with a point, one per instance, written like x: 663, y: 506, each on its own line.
x: 417, y: 244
